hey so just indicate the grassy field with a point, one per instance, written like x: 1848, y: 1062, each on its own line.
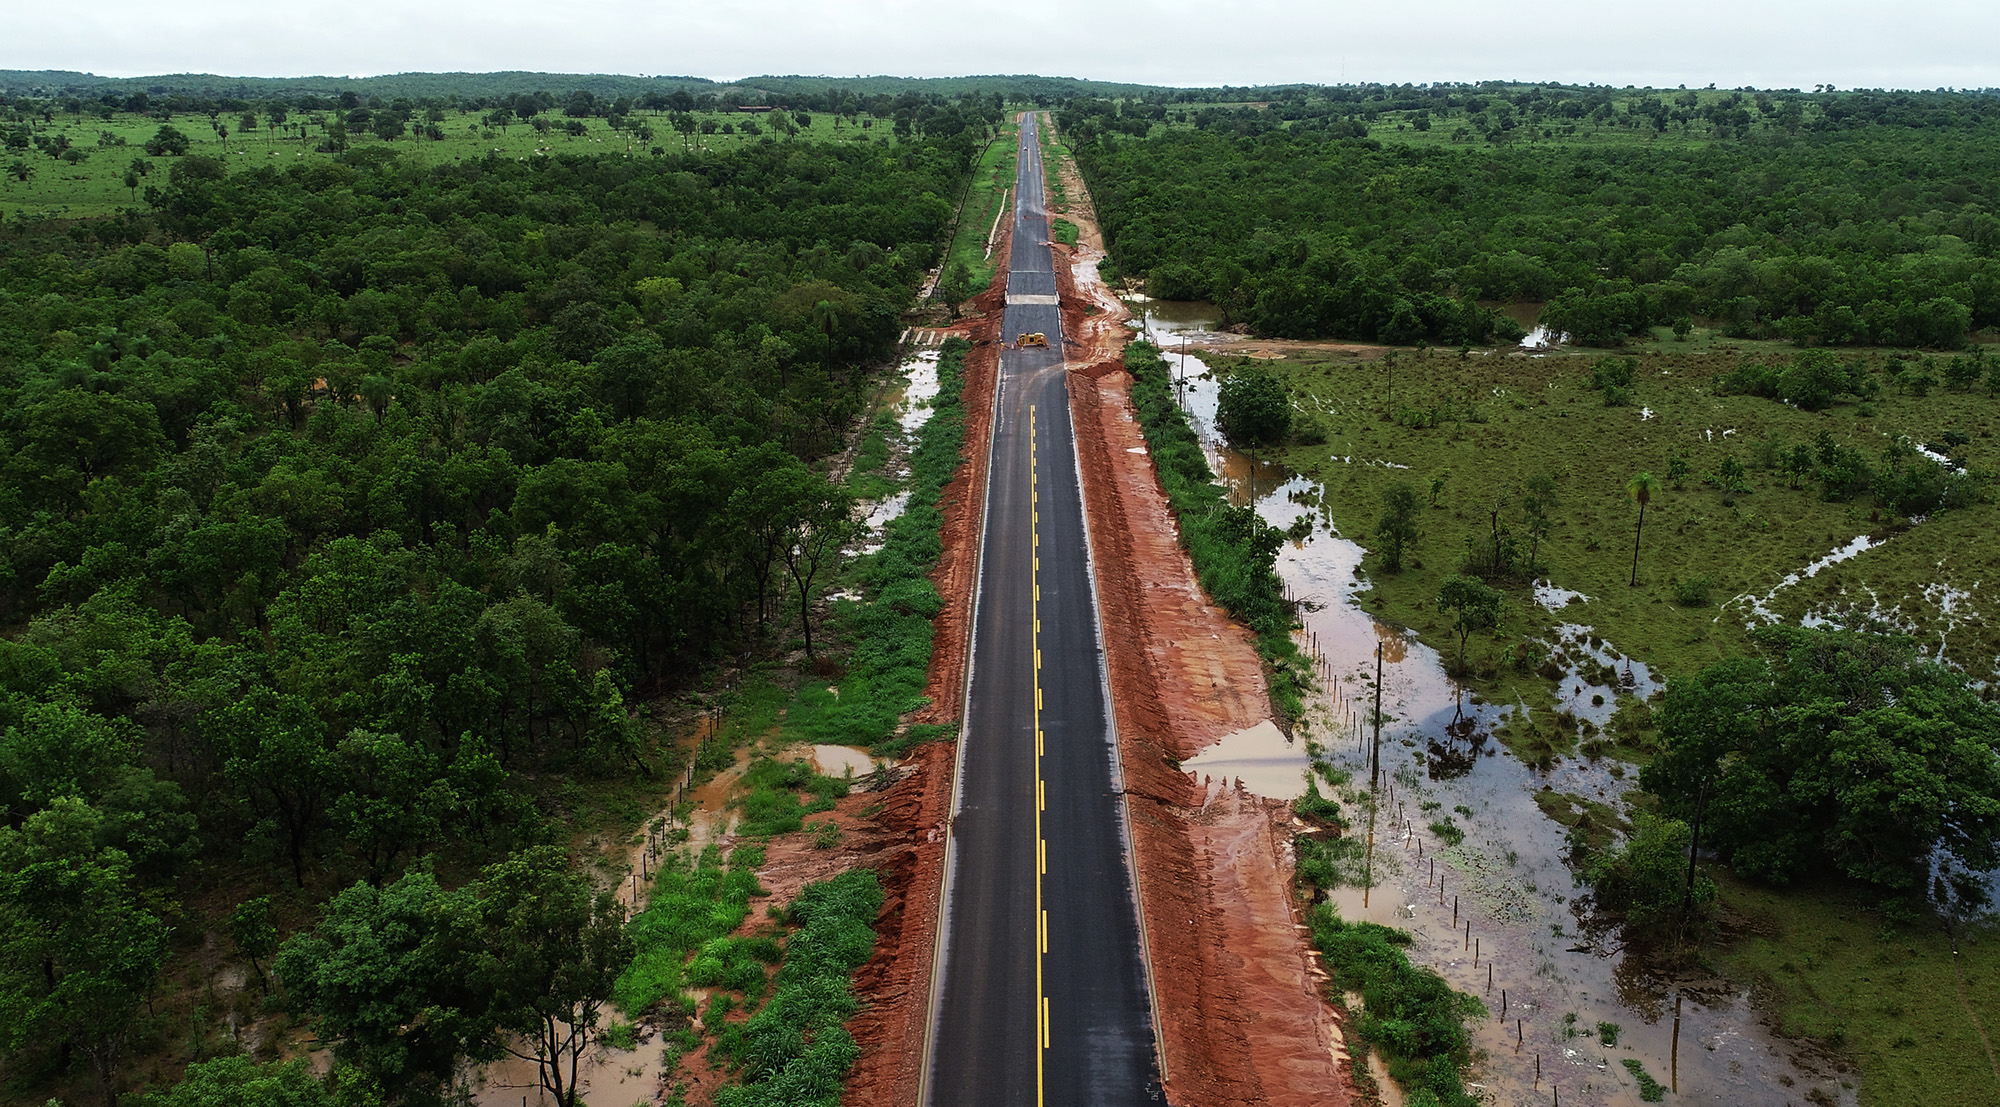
x: 990, y: 181
x: 1501, y: 419
x: 95, y: 186
x: 1900, y: 1002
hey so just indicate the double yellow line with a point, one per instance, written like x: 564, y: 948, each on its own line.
x: 1041, y: 846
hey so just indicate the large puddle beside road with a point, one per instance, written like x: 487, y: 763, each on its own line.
x: 1443, y: 773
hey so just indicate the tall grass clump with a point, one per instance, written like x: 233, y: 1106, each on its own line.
x: 795, y: 1052
x: 693, y: 903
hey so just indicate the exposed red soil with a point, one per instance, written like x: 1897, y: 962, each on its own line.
x: 1242, y: 1019
x: 1238, y: 994
x: 895, y: 983
x: 887, y: 831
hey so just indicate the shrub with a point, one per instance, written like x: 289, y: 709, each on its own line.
x: 1693, y: 592
x: 1642, y: 883
x: 795, y: 1052
x: 692, y: 904
x: 1253, y: 410
x: 1410, y: 1013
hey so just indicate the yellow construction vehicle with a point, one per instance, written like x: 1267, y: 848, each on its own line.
x: 1033, y: 338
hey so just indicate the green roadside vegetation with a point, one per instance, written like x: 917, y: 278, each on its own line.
x: 379, y: 504
x: 791, y: 1049
x: 694, y: 903
x: 992, y: 180
x: 1408, y: 1013
x: 795, y: 1052
x: 1234, y: 551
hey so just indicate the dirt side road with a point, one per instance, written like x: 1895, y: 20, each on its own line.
x: 1242, y: 1021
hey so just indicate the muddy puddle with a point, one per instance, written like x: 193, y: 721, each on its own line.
x: 1443, y: 776
x: 910, y: 401
x: 607, y: 1078
x: 1260, y: 758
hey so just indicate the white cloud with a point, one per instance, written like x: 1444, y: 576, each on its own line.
x: 1773, y: 43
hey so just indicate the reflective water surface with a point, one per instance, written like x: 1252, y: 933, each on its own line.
x: 1444, y: 774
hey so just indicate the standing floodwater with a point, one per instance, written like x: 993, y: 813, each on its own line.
x: 1444, y: 775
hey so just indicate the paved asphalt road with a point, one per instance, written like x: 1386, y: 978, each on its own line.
x: 1069, y: 1023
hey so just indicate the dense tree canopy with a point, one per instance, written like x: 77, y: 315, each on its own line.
x: 1860, y: 219
x: 342, y: 509
x: 1838, y: 752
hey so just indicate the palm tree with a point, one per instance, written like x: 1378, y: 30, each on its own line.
x: 1641, y: 488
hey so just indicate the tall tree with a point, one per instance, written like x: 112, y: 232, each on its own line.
x: 824, y: 523
x: 553, y: 948
x: 387, y: 976
x: 277, y: 752
x: 78, y: 950
x: 1252, y: 409
x: 1537, y: 504
x: 1473, y: 605
x: 1837, y: 750
x: 1640, y: 489
x: 1397, y: 528
x: 255, y: 935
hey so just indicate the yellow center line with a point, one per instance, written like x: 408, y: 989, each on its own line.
x: 1041, y: 847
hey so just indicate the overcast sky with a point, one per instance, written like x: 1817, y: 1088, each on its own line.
x: 1766, y: 43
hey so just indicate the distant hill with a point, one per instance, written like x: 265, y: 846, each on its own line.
x: 30, y: 82
x: 46, y: 83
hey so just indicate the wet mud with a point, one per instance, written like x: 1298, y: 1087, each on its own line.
x: 1238, y: 995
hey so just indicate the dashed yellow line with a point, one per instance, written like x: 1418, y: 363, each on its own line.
x: 1041, y: 847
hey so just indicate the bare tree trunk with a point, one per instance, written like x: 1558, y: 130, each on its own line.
x: 1635, y: 543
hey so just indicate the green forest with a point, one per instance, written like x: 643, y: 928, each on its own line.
x: 1401, y: 215
x: 352, y: 511
x: 409, y: 485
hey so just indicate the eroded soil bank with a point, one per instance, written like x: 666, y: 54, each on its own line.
x: 1242, y: 1020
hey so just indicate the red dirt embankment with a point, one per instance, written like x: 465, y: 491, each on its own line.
x: 895, y: 983
x: 1238, y: 993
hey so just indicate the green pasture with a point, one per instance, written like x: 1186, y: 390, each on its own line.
x: 1910, y: 1006
x: 1497, y: 419
x: 991, y: 179
x: 1882, y: 996
x: 95, y: 186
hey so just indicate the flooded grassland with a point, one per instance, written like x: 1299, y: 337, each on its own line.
x: 1482, y: 780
